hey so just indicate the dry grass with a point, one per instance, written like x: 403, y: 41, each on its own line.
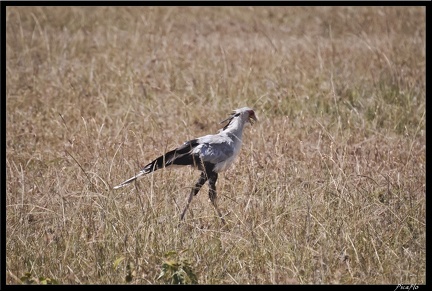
x: 330, y: 184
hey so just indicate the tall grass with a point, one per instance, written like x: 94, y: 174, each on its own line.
x: 329, y: 187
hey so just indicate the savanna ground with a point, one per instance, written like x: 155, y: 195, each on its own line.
x: 329, y: 187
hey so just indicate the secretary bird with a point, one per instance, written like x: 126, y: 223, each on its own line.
x: 211, y: 154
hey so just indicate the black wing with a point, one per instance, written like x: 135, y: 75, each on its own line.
x: 179, y: 156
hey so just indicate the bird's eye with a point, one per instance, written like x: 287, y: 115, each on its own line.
x: 237, y: 114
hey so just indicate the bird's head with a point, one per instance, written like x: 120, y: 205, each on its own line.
x: 246, y: 114
x: 252, y: 117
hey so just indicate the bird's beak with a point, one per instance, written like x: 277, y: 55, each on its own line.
x: 253, y: 118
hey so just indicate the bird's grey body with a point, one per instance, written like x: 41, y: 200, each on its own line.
x: 211, y: 154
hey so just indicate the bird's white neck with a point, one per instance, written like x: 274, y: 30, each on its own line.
x: 235, y: 128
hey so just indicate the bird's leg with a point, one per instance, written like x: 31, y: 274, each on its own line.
x: 202, y: 179
x: 212, y: 193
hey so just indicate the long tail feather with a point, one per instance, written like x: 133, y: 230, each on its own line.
x: 150, y: 167
x: 130, y: 180
x: 179, y: 156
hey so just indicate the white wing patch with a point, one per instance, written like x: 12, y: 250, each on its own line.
x: 218, y: 150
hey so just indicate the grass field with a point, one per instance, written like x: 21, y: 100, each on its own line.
x: 329, y: 187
